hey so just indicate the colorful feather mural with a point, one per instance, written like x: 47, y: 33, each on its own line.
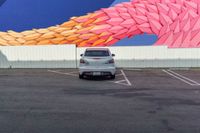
x: 175, y: 22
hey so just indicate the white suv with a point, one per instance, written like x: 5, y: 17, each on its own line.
x: 97, y: 62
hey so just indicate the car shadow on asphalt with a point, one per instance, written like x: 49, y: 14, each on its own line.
x: 97, y: 78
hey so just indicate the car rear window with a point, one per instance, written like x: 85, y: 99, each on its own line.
x: 97, y: 53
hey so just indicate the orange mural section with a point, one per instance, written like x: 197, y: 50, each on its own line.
x: 89, y: 30
x: 175, y: 22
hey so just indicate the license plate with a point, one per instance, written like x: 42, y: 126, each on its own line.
x: 96, y: 73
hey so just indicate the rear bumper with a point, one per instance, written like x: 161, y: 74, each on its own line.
x: 103, y: 70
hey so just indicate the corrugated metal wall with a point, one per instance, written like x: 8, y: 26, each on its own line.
x: 67, y: 56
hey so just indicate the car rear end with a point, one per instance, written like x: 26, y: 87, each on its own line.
x: 97, y: 62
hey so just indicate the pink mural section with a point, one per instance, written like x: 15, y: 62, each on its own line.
x: 175, y: 22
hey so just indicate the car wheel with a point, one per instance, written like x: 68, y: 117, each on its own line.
x: 80, y: 76
x: 112, y: 76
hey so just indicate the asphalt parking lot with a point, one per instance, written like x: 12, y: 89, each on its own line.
x: 137, y: 101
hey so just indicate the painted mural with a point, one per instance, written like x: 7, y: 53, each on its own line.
x: 176, y: 23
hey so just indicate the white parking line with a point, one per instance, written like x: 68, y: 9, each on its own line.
x: 70, y: 74
x: 129, y: 83
x: 182, y: 78
x: 124, y: 81
x: 73, y: 72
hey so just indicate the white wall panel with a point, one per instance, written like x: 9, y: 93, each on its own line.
x: 62, y: 56
x: 153, y: 56
x: 67, y: 56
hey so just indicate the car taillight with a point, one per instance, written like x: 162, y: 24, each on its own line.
x: 82, y: 61
x: 111, y: 61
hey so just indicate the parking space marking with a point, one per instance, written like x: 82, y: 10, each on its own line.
x: 182, y: 78
x: 124, y: 81
x: 69, y: 74
x: 73, y: 72
x: 192, y: 81
x: 129, y: 83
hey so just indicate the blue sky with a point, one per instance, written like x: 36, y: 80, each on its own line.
x: 2, y: 1
x: 119, y: 1
x: 20, y: 15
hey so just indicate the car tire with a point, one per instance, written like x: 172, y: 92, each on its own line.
x: 80, y: 76
x: 112, y: 76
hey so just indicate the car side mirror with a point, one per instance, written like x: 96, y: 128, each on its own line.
x: 113, y: 55
x: 81, y: 55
